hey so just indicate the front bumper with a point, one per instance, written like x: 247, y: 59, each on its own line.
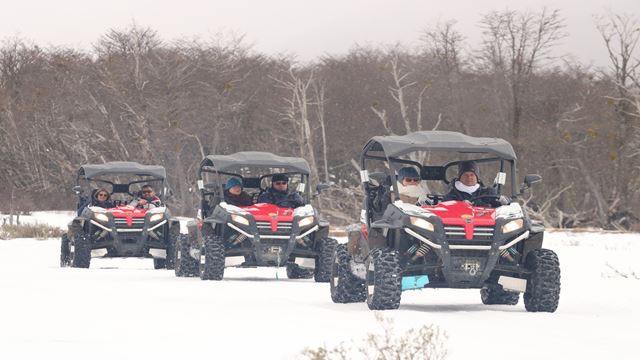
x: 146, y: 240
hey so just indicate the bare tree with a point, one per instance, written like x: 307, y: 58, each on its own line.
x: 515, y: 44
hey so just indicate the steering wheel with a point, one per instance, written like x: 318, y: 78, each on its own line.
x: 494, y: 199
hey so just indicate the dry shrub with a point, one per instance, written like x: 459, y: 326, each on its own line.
x: 426, y: 342
x: 38, y: 231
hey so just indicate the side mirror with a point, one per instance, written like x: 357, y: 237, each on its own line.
x: 324, y: 186
x: 76, y: 189
x: 529, y: 180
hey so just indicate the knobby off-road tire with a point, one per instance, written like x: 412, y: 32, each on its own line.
x: 213, y: 266
x: 327, y: 247
x: 185, y: 264
x: 296, y: 272
x: 65, y: 251
x: 174, y: 233
x: 493, y: 295
x: 81, y: 255
x: 383, y: 283
x: 543, y: 287
x: 345, y: 286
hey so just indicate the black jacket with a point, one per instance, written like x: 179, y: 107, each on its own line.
x: 455, y: 194
x: 243, y: 199
x: 281, y: 199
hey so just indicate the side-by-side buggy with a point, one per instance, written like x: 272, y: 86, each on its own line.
x: 261, y: 234
x: 478, y: 243
x: 121, y: 229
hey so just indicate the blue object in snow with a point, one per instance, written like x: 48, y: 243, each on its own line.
x: 414, y: 282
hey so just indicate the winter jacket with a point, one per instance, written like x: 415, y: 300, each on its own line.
x: 455, y: 194
x: 151, y: 202
x: 103, y: 204
x: 243, y: 199
x: 281, y: 198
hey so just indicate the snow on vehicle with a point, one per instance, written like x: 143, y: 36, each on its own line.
x: 443, y: 244
x: 124, y: 230
x: 262, y: 234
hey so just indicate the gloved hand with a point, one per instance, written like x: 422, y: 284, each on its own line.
x: 504, y: 200
x: 424, y: 200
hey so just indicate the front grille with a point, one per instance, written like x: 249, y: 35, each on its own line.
x: 121, y: 224
x: 264, y: 228
x: 453, y: 232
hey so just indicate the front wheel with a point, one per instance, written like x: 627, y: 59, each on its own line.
x: 326, y: 248
x: 185, y: 265
x: 65, y: 251
x: 81, y: 254
x: 543, y: 287
x: 213, y: 266
x: 383, y: 279
x: 344, y: 285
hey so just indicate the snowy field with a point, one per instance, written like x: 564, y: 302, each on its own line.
x: 123, y: 309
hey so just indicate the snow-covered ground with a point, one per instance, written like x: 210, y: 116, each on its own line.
x: 122, y: 308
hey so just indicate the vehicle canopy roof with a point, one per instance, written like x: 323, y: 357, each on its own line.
x: 239, y: 160
x: 90, y: 171
x: 398, y: 145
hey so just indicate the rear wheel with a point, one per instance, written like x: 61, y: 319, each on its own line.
x: 296, y: 272
x: 65, y: 251
x: 185, y: 264
x: 383, y: 279
x: 345, y: 286
x: 326, y: 248
x: 494, y: 295
x: 543, y: 287
x: 174, y: 233
x: 81, y: 254
x: 213, y: 266
x: 159, y: 263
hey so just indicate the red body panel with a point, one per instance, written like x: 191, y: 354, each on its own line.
x: 271, y: 213
x: 128, y: 212
x: 460, y: 213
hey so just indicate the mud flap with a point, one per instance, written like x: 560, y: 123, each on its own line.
x: 414, y: 282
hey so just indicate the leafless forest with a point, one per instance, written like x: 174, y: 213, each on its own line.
x: 138, y: 97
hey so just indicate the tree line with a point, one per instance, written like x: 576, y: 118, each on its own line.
x: 138, y: 97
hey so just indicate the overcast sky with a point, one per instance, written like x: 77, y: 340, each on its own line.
x: 307, y: 29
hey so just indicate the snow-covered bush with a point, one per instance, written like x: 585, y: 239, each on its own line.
x: 426, y: 342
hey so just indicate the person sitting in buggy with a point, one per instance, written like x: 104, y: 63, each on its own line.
x: 147, y: 199
x: 234, y: 193
x: 411, y: 188
x: 278, y: 194
x: 467, y: 187
x: 102, y: 199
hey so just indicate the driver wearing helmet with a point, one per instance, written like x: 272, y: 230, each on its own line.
x: 467, y: 187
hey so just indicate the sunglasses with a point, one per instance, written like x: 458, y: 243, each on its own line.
x: 415, y: 180
x: 103, y: 195
x: 280, y: 183
x: 147, y: 191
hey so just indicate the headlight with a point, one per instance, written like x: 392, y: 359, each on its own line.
x: 421, y: 223
x: 101, y: 217
x: 512, y: 225
x: 156, y: 217
x: 306, y: 221
x: 240, y: 219
x: 303, y: 211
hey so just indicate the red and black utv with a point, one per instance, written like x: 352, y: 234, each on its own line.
x: 122, y: 229
x: 261, y: 234
x: 478, y: 243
